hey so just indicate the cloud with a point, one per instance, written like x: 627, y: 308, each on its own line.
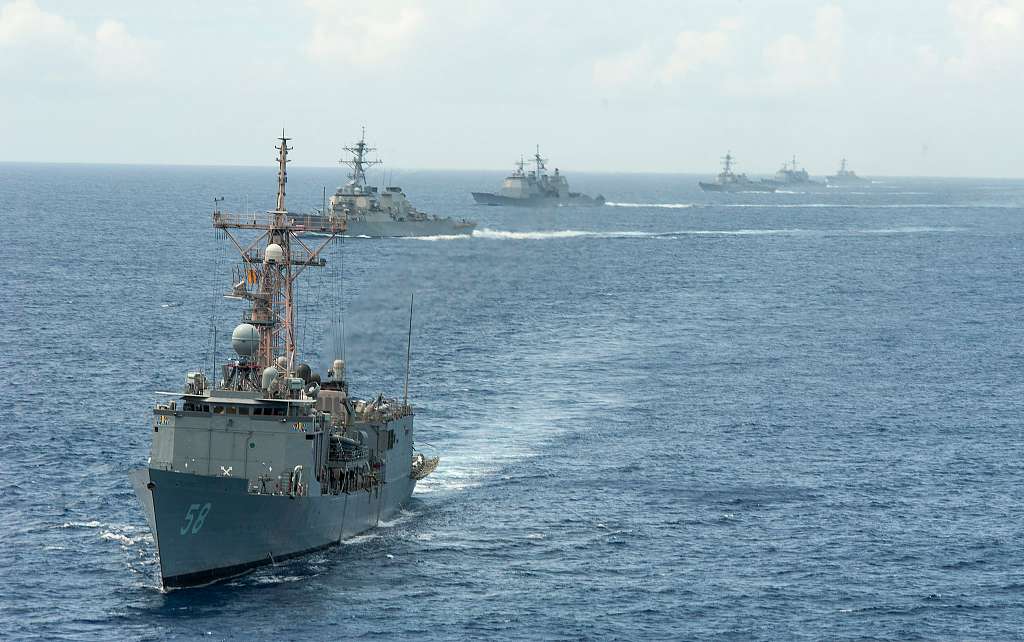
x: 118, y: 54
x: 696, y: 49
x: 363, y: 34
x: 623, y: 68
x: 22, y: 23
x: 991, y: 34
x: 792, y: 62
x: 61, y: 48
x: 643, y: 65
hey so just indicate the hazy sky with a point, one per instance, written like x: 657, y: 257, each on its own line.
x: 925, y: 87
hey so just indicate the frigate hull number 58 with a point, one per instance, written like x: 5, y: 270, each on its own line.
x: 195, y: 517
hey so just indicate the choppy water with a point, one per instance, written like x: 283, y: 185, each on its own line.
x: 680, y: 416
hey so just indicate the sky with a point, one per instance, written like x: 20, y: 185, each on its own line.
x: 904, y: 87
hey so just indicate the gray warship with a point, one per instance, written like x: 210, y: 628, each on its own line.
x: 789, y: 176
x: 535, y: 188
x: 728, y: 181
x: 368, y: 212
x: 844, y: 176
x: 273, y: 461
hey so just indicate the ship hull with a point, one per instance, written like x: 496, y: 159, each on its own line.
x: 731, y: 187
x: 383, y: 229
x: 488, y: 198
x: 804, y: 185
x: 843, y: 180
x: 208, y: 528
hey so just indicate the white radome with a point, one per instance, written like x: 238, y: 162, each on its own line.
x: 245, y: 339
x: 274, y: 253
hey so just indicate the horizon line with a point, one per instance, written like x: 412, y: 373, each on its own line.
x: 467, y: 169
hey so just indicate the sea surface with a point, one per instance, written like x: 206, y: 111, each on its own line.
x: 678, y: 416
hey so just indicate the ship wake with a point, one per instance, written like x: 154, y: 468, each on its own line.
x: 676, y: 234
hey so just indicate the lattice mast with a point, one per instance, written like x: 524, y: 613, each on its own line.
x: 270, y: 266
x: 359, y: 161
x: 539, y: 163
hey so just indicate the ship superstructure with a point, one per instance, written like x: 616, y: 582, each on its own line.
x: 535, y: 187
x: 844, y: 176
x: 729, y: 181
x: 791, y: 175
x: 369, y: 212
x: 272, y: 461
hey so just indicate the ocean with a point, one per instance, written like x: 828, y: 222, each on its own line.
x: 678, y: 416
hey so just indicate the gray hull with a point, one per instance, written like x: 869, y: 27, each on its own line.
x: 736, y: 187
x: 208, y: 528
x: 378, y: 229
x: 487, y: 198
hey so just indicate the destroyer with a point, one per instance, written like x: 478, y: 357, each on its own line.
x: 727, y: 181
x: 272, y: 462
x: 535, y: 188
x: 370, y: 213
x: 844, y: 176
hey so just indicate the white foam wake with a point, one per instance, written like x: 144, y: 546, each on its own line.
x: 542, y: 235
x: 673, y: 206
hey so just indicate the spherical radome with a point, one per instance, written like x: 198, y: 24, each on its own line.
x: 274, y: 253
x: 245, y: 339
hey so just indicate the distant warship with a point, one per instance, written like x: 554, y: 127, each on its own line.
x: 535, y: 188
x: 789, y: 176
x: 844, y: 176
x: 271, y: 462
x: 727, y: 181
x: 370, y: 213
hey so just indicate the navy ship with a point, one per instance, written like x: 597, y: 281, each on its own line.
x: 272, y: 461
x: 535, y: 188
x: 368, y: 212
x: 844, y: 176
x: 790, y: 176
x: 728, y: 181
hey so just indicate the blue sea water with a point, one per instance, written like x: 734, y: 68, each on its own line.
x: 679, y: 416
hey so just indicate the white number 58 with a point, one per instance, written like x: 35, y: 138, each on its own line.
x: 195, y: 518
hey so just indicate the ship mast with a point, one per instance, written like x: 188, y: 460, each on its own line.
x: 727, y: 163
x: 539, y: 162
x: 270, y: 266
x: 519, y: 165
x: 359, y: 163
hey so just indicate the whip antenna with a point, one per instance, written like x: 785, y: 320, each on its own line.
x: 408, y: 353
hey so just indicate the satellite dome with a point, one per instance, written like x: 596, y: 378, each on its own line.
x: 245, y: 339
x: 274, y: 253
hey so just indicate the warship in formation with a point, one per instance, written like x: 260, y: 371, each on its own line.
x: 790, y: 176
x: 272, y: 461
x: 728, y: 181
x: 535, y: 188
x: 844, y: 176
x: 368, y: 212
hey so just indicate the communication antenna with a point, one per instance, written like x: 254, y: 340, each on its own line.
x: 408, y: 353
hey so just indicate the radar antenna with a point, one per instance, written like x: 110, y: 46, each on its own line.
x: 359, y: 161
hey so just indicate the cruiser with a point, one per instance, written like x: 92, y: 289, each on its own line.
x: 789, y: 176
x: 272, y: 461
x: 370, y: 213
x: 844, y: 176
x: 727, y: 181
x: 535, y: 188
